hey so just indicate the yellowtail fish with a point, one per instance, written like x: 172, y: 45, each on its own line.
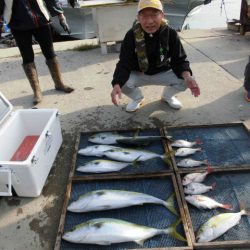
x: 189, y: 163
x: 142, y: 140
x: 100, y: 200
x: 107, y: 231
x: 218, y: 225
x: 103, y: 166
x: 105, y: 138
x: 186, y: 151
x: 185, y: 144
x: 131, y: 155
x: 108, y: 138
x: 96, y: 150
x: 198, y: 188
x: 204, y: 202
x: 196, y: 177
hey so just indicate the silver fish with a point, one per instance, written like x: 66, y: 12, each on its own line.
x: 99, y: 200
x: 186, y: 151
x: 107, y: 231
x: 96, y: 150
x: 184, y: 143
x: 189, y: 163
x: 218, y: 225
x: 142, y: 140
x: 197, y: 188
x: 105, y: 138
x: 204, y: 202
x: 196, y: 177
x: 103, y: 166
x: 131, y: 155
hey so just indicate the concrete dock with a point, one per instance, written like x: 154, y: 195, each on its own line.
x: 218, y: 58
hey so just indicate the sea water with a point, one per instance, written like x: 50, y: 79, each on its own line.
x: 213, y: 15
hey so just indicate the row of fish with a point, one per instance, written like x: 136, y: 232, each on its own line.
x: 120, y: 158
x: 216, y: 225
x: 185, y: 148
x: 106, y: 231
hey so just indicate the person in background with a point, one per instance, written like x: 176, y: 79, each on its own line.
x: 27, y: 18
x: 152, y: 54
x: 247, y: 81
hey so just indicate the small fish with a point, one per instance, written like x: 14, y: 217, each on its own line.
x: 189, y: 163
x: 105, y: 138
x: 103, y: 166
x: 196, y: 177
x: 218, y: 225
x: 204, y: 202
x: 142, y: 140
x: 131, y: 155
x: 185, y: 144
x: 100, y: 200
x: 186, y: 151
x: 96, y: 150
x: 198, y: 188
x: 107, y: 231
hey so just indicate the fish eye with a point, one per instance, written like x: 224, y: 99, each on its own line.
x: 100, y: 193
x: 96, y: 163
x: 103, y: 137
x: 98, y: 224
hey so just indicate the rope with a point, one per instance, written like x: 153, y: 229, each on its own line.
x: 223, y: 5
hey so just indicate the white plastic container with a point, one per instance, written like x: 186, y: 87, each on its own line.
x: 27, y: 176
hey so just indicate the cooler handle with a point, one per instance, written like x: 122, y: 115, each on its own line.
x: 5, y: 181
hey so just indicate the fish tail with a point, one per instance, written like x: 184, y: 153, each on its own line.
x: 243, y: 209
x: 170, y: 204
x: 227, y: 206
x: 198, y: 141
x: 206, y: 162
x: 213, y: 186
x: 172, y: 230
x: 209, y: 169
x: 167, y: 137
x: 167, y: 157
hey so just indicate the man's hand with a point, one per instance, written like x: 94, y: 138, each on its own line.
x: 116, y: 92
x: 64, y: 24
x: 192, y: 85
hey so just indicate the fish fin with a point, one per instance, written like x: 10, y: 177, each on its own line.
x: 105, y: 243
x: 227, y: 206
x: 135, y: 162
x: 173, y: 232
x: 170, y: 204
x: 140, y: 242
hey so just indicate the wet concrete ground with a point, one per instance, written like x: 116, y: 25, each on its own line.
x: 218, y: 59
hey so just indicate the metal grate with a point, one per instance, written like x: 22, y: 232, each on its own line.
x: 151, y: 215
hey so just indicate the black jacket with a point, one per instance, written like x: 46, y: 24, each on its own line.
x: 174, y: 53
x: 26, y: 14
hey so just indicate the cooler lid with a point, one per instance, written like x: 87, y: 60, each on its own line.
x: 5, y: 107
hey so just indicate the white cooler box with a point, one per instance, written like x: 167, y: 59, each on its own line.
x: 29, y: 142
